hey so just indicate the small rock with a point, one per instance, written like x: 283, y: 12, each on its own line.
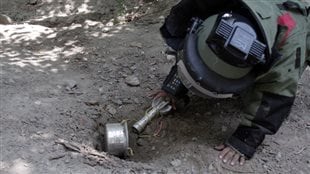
x: 153, y: 69
x: 9, y: 81
x: 132, y: 81
x: 38, y: 102
x: 171, y: 57
x: 111, y: 110
x: 133, y: 68
x: 67, y: 160
x: 136, y: 101
x: 101, y: 90
x: 70, y: 19
x: 194, y: 139
x: 151, y: 76
x: 5, y: 20
x: 92, y: 103
x: 278, y: 156
x: 56, y: 156
x: 117, y: 101
x: 176, y: 163
x: 224, y: 128
x: 106, y: 29
x: 208, y: 113
x: 136, y: 44
x: 141, y: 142
x: 153, y: 148
x: 91, y: 23
x: 127, y: 101
x: 172, y: 139
x: 197, y: 114
x: 74, y: 155
x: 165, y: 143
x: 211, y: 167
x: 70, y: 84
x: 41, y: 151
x: 33, y: 2
x: 57, y: 147
x: 110, y: 24
x: 53, y: 20
x: 265, y: 166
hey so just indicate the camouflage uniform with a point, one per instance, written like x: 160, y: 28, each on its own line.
x: 287, y: 34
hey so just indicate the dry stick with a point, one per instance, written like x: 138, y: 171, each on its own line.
x: 84, y: 150
x: 299, y: 152
x: 90, y: 153
x: 158, y: 130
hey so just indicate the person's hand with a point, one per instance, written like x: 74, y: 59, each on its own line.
x: 229, y: 155
x: 161, y: 93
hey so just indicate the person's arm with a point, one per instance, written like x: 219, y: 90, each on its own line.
x: 270, y: 100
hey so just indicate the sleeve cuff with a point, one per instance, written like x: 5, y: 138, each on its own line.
x: 246, y: 139
x: 240, y: 147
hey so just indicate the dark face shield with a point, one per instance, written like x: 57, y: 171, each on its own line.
x: 227, y: 68
x: 237, y: 41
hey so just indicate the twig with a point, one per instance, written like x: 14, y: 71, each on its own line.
x: 302, y: 149
x: 56, y: 157
x: 87, y: 151
x: 158, y: 130
x: 145, y: 136
x: 71, y: 146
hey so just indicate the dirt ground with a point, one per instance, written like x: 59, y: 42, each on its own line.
x: 65, y: 69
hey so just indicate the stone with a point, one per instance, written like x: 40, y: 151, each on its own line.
x: 210, y: 167
x: 91, y: 23
x: 117, y: 101
x: 70, y: 19
x: 136, y: 101
x: 33, y: 2
x: 101, y: 90
x: 170, y: 57
x: 53, y: 20
x: 208, y: 113
x: 92, y: 103
x: 194, y: 139
x: 278, y: 156
x: 135, y: 44
x: 5, y: 20
x: 132, y: 81
x: 70, y: 84
x: 141, y: 142
x: 224, y: 128
x: 176, y: 163
x: 111, y: 110
x: 41, y: 151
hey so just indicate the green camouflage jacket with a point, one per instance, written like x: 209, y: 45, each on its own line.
x: 287, y: 34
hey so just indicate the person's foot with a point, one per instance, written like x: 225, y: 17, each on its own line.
x: 229, y: 155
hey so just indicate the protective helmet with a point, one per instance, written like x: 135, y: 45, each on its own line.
x: 219, y: 55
